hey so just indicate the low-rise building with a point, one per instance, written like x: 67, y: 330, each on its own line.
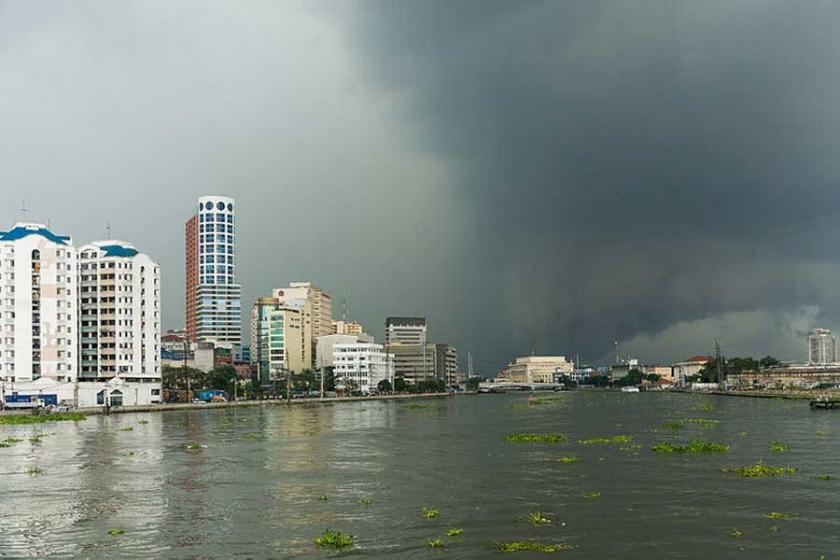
x: 360, y: 366
x: 688, y: 368
x: 537, y: 369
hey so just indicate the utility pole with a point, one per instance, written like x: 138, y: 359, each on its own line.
x: 187, y: 369
x: 718, y: 362
x: 288, y: 387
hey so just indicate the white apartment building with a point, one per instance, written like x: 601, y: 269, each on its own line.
x: 360, y: 366
x: 822, y: 347
x: 119, y: 315
x: 38, y: 302
x: 325, y: 353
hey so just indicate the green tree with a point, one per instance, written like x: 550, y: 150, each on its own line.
x: 400, y: 386
x: 384, y: 386
x: 472, y: 383
x: 223, y: 378
x: 633, y: 377
x: 768, y: 362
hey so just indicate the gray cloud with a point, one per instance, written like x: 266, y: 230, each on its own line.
x: 544, y: 175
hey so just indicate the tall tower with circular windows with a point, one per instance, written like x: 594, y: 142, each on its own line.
x: 213, y: 312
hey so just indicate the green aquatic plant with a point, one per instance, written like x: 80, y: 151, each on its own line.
x: 704, y: 406
x: 116, y: 532
x: 531, y: 546
x: 680, y: 424
x: 130, y: 454
x: 694, y: 446
x: 143, y: 421
x: 365, y: 501
x: 430, y: 513
x: 779, y: 447
x: 615, y: 440
x: 194, y: 446
x: 780, y: 515
x: 323, y: 498
x: 568, y: 460
x: 334, y: 539
x: 537, y: 518
x: 594, y: 495
x: 760, y: 470
x: 127, y: 429
x: 435, y: 543
x: 41, y: 418
x: 735, y: 533
x: 36, y: 438
x: 535, y: 438
x: 454, y: 532
x: 12, y: 440
x: 4, y: 444
x: 824, y: 477
x: 34, y: 471
x: 251, y: 437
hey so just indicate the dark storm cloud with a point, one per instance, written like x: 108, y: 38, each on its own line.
x: 628, y: 166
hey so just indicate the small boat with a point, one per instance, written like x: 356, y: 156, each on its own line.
x: 629, y: 389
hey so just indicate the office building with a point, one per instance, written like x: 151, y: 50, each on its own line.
x: 213, y: 303
x: 446, y: 363
x: 413, y: 362
x: 347, y: 327
x: 405, y: 330
x: 360, y: 366
x: 315, y: 306
x: 326, y: 344
x: 276, y: 335
x: 537, y: 369
x: 822, y: 347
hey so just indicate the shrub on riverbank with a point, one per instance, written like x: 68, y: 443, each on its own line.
x: 41, y: 418
x: 535, y: 438
x: 694, y: 446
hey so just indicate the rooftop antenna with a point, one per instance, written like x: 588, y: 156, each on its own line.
x: 108, y: 229
x: 24, y: 210
x: 344, y: 309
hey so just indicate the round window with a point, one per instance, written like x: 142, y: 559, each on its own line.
x: 208, y: 205
x: 230, y: 207
x: 220, y: 205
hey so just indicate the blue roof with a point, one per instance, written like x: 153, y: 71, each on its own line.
x: 118, y: 251
x: 20, y: 232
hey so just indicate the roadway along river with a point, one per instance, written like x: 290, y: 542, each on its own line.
x: 255, y: 490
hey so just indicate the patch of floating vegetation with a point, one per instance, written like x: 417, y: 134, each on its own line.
x: 694, y: 446
x: 323, y: 498
x: 36, y: 438
x: 194, y: 446
x: 735, y: 533
x: 10, y: 441
x: 435, y: 543
x: 615, y: 440
x: 594, y: 495
x: 685, y: 422
x: 130, y: 454
x: 127, y: 429
x: 251, y: 437
x: 143, y: 421
x: 42, y: 418
x: 531, y: 546
x: 365, y: 501
x: 824, y: 477
x: 537, y: 518
x: 457, y: 532
x: 780, y: 515
x: 535, y: 438
x: 335, y: 540
x: 568, y: 460
x: 34, y: 471
x: 630, y: 448
x: 779, y: 447
x: 760, y: 470
x: 822, y: 433
x: 704, y: 406
x: 430, y: 513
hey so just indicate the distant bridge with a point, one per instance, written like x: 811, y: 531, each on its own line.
x: 504, y: 386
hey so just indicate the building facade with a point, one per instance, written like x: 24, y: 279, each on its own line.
x: 446, y: 363
x: 326, y: 345
x: 413, y: 362
x: 405, y: 330
x: 119, y: 315
x: 39, y: 338
x: 822, y: 347
x: 360, y: 366
x: 276, y: 335
x: 315, y: 305
x: 688, y: 368
x: 347, y: 327
x: 213, y: 295
x: 537, y: 369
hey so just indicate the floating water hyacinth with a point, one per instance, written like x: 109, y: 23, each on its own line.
x: 531, y: 546
x: 435, y: 543
x: 680, y: 424
x: 36, y: 438
x: 779, y: 447
x: 430, y: 513
x: 594, y: 495
x: 760, y: 470
x: 694, y: 446
x: 824, y: 477
x: 127, y: 429
x: 194, y: 446
x: 116, y: 532
x: 42, y: 418
x: 334, y: 539
x: 34, y: 471
x: 454, y: 532
x: 537, y: 518
x: 323, y: 498
x: 365, y: 501
x: 606, y: 440
x: 143, y: 422
x: 780, y: 515
x: 535, y: 438
x: 735, y: 533
x: 568, y: 460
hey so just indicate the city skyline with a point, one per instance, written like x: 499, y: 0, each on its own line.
x: 658, y: 194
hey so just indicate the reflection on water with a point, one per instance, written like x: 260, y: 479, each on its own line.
x: 252, y: 488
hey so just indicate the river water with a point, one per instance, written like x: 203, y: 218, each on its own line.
x: 254, y: 488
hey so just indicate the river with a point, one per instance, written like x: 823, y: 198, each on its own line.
x: 263, y: 482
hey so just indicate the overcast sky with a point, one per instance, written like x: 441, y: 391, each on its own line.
x: 531, y: 176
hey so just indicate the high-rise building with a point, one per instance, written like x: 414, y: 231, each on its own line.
x: 405, y: 330
x: 446, y: 363
x: 213, y: 296
x: 413, y: 362
x: 39, y: 339
x: 315, y: 306
x: 360, y: 366
x: 276, y: 335
x: 119, y: 315
x: 822, y: 347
